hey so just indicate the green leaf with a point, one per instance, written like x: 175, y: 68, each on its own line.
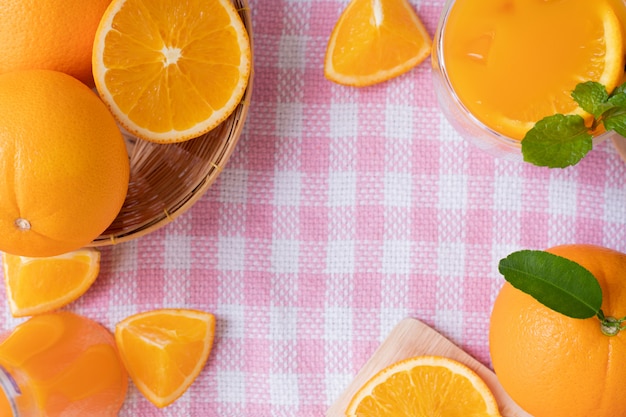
x: 558, y: 283
x: 591, y: 97
x: 557, y: 141
x: 616, y: 120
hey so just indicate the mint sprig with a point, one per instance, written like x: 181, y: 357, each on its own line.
x: 560, y: 141
x: 560, y: 284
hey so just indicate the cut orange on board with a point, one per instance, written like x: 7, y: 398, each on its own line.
x: 375, y: 40
x: 424, y: 386
x: 39, y: 285
x: 164, y: 350
x: 170, y: 70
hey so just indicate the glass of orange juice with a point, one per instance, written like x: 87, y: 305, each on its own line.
x: 499, y: 66
x: 60, y: 364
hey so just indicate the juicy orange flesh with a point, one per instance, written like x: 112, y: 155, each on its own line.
x: 68, y: 362
x: 164, y: 353
x: 424, y: 391
x: 521, y: 59
x: 137, y: 55
x: 366, y: 43
x: 39, y: 282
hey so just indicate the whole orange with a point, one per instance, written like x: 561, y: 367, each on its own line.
x: 63, y: 164
x: 556, y: 366
x: 50, y: 34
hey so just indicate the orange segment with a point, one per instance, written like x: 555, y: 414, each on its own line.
x: 171, y: 71
x: 511, y: 73
x: 164, y: 350
x: 375, y: 40
x: 424, y: 386
x: 39, y: 285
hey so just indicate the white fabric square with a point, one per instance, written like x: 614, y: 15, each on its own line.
x: 344, y: 121
x: 292, y: 52
x: 398, y: 122
x: 562, y: 196
x: 508, y: 193
x: 452, y: 191
x: 283, y: 323
x: 396, y: 257
x: 342, y: 189
x: 289, y: 120
x: 340, y: 257
x: 231, y: 386
x: 398, y: 189
x: 284, y: 389
x: 231, y: 253
x: 338, y: 323
x: 287, y: 188
x: 285, y: 256
x: 177, y: 252
x: 233, y: 186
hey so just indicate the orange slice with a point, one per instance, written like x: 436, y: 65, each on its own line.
x: 375, y: 40
x: 424, y: 386
x: 170, y: 70
x: 39, y: 285
x: 164, y: 350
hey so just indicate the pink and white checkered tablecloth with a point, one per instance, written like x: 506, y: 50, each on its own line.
x: 341, y: 212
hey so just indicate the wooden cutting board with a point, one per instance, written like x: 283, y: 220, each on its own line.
x: 411, y: 338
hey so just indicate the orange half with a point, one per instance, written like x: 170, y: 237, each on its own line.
x: 424, y: 386
x: 170, y: 70
x: 374, y: 41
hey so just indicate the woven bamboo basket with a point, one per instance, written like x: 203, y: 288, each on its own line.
x: 167, y: 179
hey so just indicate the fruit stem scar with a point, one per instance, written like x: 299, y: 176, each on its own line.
x: 610, y: 326
x: 22, y: 224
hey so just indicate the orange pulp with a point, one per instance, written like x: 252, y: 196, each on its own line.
x: 62, y: 364
x: 513, y: 62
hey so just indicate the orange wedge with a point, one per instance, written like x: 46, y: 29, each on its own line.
x: 39, y: 285
x: 170, y: 70
x: 164, y: 350
x: 424, y: 386
x: 375, y: 40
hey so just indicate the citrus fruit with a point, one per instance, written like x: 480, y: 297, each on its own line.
x: 63, y: 164
x: 556, y: 366
x: 171, y: 71
x: 374, y: 41
x: 50, y: 34
x: 164, y: 350
x: 42, y: 284
x: 424, y: 386
x: 510, y: 73
x: 63, y: 364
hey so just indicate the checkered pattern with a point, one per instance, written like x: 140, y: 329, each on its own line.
x: 341, y: 212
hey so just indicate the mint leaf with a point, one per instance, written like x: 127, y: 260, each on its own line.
x: 558, y: 283
x: 615, y: 119
x: 557, y: 141
x: 592, y: 97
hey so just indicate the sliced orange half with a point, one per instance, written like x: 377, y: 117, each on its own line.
x: 164, y: 350
x: 424, y: 386
x: 374, y: 41
x: 170, y: 70
x: 39, y: 285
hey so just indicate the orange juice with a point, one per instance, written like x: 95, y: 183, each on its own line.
x: 513, y: 62
x: 61, y: 364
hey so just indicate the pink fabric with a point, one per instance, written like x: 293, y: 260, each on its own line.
x: 341, y: 212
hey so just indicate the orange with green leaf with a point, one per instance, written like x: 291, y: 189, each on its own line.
x: 556, y: 337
